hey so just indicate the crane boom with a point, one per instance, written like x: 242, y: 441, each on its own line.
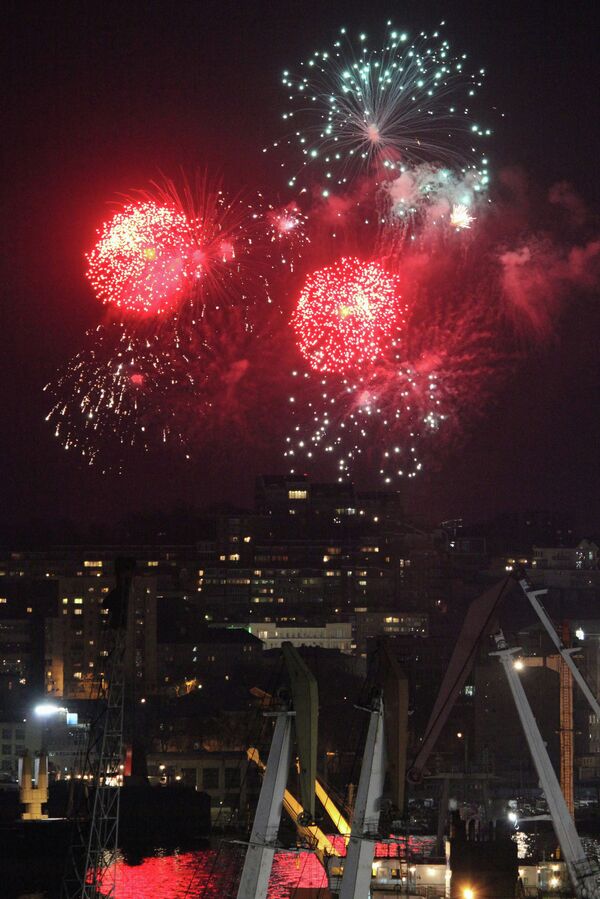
x: 567, y: 653
x: 314, y: 836
x: 254, y: 883
x: 356, y: 879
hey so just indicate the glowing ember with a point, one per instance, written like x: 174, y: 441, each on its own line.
x: 460, y: 218
x: 145, y: 258
x: 345, y: 315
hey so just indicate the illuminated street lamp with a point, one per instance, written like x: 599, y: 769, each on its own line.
x: 47, y: 709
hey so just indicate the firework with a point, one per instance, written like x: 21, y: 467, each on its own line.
x: 145, y: 258
x: 392, y: 413
x: 180, y: 387
x: 353, y: 108
x: 170, y: 249
x: 116, y: 393
x: 378, y: 419
x: 345, y: 315
x: 423, y: 198
x: 287, y: 234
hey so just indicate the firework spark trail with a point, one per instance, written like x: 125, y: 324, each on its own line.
x: 410, y: 101
x: 116, y: 393
x: 180, y: 387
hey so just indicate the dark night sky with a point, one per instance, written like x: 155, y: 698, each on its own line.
x: 101, y: 97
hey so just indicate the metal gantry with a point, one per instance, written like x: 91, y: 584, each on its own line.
x: 103, y: 839
x: 90, y: 871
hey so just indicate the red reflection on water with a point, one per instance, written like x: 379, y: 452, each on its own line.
x: 211, y: 873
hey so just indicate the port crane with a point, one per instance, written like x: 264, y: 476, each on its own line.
x: 351, y: 877
x: 479, y: 622
x: 584, y: 875
x: 298, y: 713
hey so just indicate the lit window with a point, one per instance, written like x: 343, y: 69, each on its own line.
x: 78, y: 601
x: 87, y: 564
x: 78, y: 611
x: 234, y: 557
x: 152, y: 564
x: 29, y: 609
x: 297, y: 494
x: 247, y: 539
x: 3, y: 600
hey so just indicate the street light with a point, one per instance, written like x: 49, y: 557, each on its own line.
x: 47, y: 709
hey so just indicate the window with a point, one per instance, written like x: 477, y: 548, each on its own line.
x: 232, y: 778
x: 210, y: 778
x: 6, y: 749
x: 297, y: 494
x: 78, y: 601
x: 19, y: 735
x: 3, y: 600
x: 153, y: 564
x: 87, y: 564
x: 6, y: 733
x: 189, y: 776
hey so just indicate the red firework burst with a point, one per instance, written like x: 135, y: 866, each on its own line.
x: 346, y: 314
x: 146, y: 257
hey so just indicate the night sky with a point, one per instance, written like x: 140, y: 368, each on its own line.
x: 100, y: 98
